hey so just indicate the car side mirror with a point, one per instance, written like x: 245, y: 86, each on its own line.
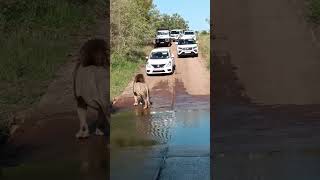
x: 176, y: 43
x: 172, y: 56
x: 147, y: 58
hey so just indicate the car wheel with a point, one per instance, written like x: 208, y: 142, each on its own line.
x: 196, y: 55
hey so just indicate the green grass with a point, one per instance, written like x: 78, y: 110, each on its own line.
x: 123, y: 68
x: 314, y: 11
x: 122, y: 71
x: 204, y: 47
x: 35, y: 38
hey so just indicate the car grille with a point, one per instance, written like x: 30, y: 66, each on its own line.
x: 189, y: 48
x: 158, y: 65
x: 158, y: 71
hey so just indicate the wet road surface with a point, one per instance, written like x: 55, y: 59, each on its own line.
x: 172, y: 139
x: 266, y: 118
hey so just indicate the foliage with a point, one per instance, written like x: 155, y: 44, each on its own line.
x: 204, y: 45
x: 174, y: 21
x: 314, y: 11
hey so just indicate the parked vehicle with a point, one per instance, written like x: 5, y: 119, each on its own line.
x: 160, y: 61
x: 190, y: 34
x: 187, y: 46
x: 175, y: 34
x: 163, y: 38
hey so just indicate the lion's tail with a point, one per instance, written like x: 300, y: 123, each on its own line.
x: 75, y: 72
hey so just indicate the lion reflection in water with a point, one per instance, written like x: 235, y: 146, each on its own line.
x: 141, y: 91
x: 91, y: 87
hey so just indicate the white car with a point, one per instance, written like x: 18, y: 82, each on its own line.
x: 175, y: 34
x: 160, y: 61
x: 163, y: 38
x: 187, y: 46
x: 190, y: 35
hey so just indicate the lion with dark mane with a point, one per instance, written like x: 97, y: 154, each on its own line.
x: 91, y: 86
x: 141, y: 91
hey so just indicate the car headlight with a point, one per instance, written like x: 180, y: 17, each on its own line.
x: 169, y: 64
x: 148, y: 65
x: 180, y: 48
x: 195, y: 48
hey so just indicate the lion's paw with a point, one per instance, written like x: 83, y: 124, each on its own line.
x: 99, y: 132
x: 82, y: 134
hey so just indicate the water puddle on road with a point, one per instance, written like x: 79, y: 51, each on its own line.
x: 160, y: 145
x: 161, y: 127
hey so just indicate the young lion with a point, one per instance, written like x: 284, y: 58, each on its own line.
x: 141, y: 91
x: 91, y: 87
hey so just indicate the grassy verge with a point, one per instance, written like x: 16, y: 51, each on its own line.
x: 123, y: 68
x: 204, y: 47
x: 35, y: 38
x: 314, y: 11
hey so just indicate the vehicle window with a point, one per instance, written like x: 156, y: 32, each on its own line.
x: 174, y: 32
x: 189, y: 33
x: 160, y: 55
x: 186, y: 41
x: 163, y: 33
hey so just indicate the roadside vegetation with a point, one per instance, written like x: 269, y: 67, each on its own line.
x: 204, y: 46
x: 133, y: 27
x: 314, y: 11
x: 35, y: 38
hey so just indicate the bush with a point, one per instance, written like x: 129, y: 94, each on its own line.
x: 314, y: 11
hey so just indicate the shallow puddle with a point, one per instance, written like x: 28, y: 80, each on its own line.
x: 161, y: 127
x: 160, y: 145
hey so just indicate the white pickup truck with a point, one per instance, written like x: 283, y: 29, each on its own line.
x: 163, y: 38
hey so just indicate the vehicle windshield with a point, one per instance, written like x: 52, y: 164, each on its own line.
x: 174, y: 32
x: 162, y: 33
x: 189, y: 33
x: 159, y: 55
x: 186, y: 41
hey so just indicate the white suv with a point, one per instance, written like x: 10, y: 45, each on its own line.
x: 190, y: 35
x: 176, y: 34
x: 163, y: 38
x: 160, y: 61
x: 187, y: 46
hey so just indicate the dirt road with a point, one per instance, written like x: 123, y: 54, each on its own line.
x: 266, y: 110
x: 188, y: 86
x: 44, y: 146
x: 178, y: 122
